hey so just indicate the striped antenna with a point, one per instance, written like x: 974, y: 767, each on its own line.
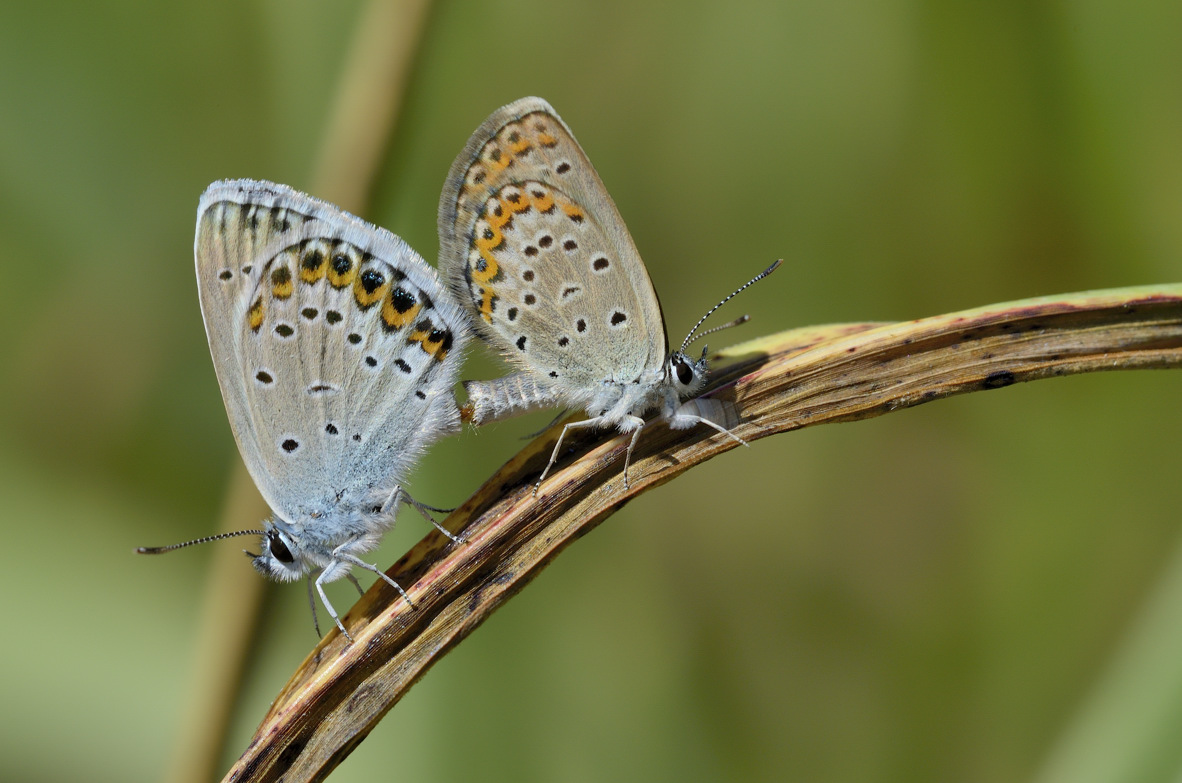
x: 689, y: 338
x: 158, y: 550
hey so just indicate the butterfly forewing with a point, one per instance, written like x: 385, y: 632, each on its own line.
x: 331, y: 340
x: 533, y: 245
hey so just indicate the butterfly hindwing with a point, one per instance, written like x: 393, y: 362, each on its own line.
x: 534, y: 247
x: 330, y: 338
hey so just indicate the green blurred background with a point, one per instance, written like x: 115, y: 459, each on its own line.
x: 988, y: 588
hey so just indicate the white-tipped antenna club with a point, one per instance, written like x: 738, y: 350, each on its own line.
x: 689, y: 338
x: 159, y: 550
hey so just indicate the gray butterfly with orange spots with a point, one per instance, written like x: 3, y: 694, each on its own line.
x: 336, y: 348
x: 532, y: 245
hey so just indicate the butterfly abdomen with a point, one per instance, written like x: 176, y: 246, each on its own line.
x: 504, y: 398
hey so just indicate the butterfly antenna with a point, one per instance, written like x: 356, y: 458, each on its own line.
x: 689, y: 338
x: 157, y: 550
x: 742, y: 319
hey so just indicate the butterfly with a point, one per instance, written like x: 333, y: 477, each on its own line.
x: 336, y: 348
x: 536, y: 252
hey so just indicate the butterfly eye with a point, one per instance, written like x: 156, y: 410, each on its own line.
x: 279, y: 549
x: 685, y: 373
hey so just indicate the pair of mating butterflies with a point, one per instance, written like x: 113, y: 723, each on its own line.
x: 337, y: 347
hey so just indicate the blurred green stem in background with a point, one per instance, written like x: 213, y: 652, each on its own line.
x: 359, y: 124
x: 1130, y: 726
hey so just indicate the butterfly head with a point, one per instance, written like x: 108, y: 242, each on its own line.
x: 281, y: 557
x: 687, y: 376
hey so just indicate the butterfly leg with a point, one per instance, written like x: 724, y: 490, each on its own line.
x: 356, y: 584
x: 392, y: 502
x: 553, y: 421
x: 637, y: 425
x: 400, y: 494
x: 312, y: 604
x: 686, y: 420
x: 352, y: 560
x: 421, y: 506
x: 554, y: 454
x: 328, y: 605
x: 426, y: 510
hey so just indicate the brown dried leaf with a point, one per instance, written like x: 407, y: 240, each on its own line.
x: 778, y: 383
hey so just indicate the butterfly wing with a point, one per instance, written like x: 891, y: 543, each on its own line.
x: 533, y: 246
x: 335, y: 345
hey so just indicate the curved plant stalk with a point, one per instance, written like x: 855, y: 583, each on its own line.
x: 779, y: 383
x: 1126, y: 726
x: 368, y: 100
x: 372, y: 85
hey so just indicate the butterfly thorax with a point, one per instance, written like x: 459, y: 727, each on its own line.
x: 311, y: 541
x: 623, y: 404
